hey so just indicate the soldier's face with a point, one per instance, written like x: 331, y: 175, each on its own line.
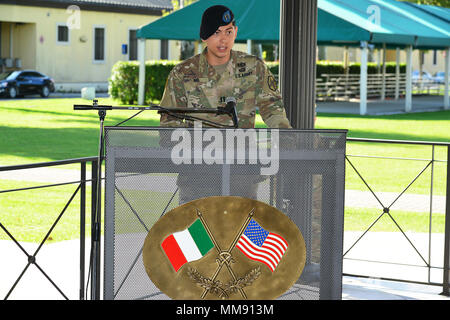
x: 220, y: 44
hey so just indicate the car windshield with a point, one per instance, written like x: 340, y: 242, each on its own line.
x: 9, y: 75
x: 4, y: 75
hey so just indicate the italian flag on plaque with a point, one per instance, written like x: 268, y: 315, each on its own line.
x: 187, y: 245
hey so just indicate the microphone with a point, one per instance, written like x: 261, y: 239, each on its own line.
x: 230, y: 108
x: 94, y: 106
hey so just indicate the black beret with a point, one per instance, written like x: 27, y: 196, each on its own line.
x: 213, y: 18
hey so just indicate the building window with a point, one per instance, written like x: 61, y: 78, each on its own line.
x: 132, y: 45
x: 434, y: 57
x: 62, y: 34
x: 164, y: 50
x: 99, y: 44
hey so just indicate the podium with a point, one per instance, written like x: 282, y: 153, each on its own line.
x: 150, y: 171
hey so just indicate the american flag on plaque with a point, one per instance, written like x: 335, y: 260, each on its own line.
x: 261, y: 245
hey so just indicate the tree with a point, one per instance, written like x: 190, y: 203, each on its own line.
x: 178, y: 4
x: 439, y: 3
x: 187, y: 47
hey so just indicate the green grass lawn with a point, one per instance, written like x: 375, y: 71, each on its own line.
x: 30, y: 220
x: 360, y: 219
x: 28, y: 215
x: 39, y: 130
x: 423, y: 126
x: 393, y: 175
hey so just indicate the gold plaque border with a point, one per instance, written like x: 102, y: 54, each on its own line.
x: 224, y: 215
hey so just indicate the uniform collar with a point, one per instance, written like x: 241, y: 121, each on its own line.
x: 208, y: 71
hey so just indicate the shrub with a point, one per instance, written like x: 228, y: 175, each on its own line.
x: 329, y: 67
x: 124, y: 80
x: 372, y: 67
x: 273, y: 67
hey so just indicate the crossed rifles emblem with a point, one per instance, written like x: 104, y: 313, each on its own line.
x: 224, y: 258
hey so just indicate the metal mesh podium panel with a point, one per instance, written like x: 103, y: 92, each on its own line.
x: 150, y: 171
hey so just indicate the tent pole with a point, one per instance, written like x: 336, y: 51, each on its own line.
x: 363, y: 80
x: 446, y: 78
x: 397, y: 73
x: 249, y: 46
x: 383, y: 77
x: 141, y: 58
x: 379, y: 60
x: 298, y: 41
x: 346, y: 69
x: 408, y: 95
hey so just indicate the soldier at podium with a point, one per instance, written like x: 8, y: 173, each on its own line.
x: 208, y: 79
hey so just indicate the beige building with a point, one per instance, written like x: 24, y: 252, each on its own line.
x: 77, y: 42
x: 432, y: 60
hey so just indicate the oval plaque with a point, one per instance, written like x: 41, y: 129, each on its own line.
x: 224, y: 247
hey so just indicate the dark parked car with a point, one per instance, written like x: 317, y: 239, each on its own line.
x: 439, y: 77
x: 23, y: 82
x: 426, y: 77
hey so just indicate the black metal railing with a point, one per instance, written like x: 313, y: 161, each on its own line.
x: 81, y: 190
x: 386, y: 208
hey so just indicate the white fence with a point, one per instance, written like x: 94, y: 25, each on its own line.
x: 344, y: 87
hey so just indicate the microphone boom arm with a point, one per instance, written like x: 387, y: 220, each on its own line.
x: 180, y: 113
x: 175, y: 112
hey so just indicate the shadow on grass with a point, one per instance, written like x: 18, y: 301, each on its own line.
x: 355, y: 133
x: 55, y: 143
x: 422, y: 116
x: 90, y: 116
x: 49, y: 143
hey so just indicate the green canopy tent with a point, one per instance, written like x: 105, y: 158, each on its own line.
x: 257, y: 20
x: 440, y: 12
x: 386, y: 24
x: 381, y: 23
x: 394, y: 23
x: 339, y: 22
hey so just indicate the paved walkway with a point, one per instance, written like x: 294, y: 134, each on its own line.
x: 60, y: 95
x: 60, y: 261
x: 378, y: 107
x: 353, y: 198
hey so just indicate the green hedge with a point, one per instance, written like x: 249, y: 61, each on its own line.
x: 123, y: 83
x: 372, y: 68
x: 124, y: 80
x: 336, y: 67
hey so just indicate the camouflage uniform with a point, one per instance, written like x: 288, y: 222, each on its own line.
x: 195, y: 84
